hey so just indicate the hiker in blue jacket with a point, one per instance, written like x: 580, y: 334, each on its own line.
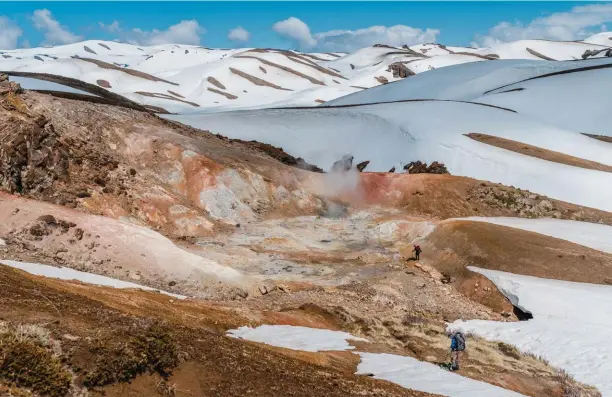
x: 457, y: 347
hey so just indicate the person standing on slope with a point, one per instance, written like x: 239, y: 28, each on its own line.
x: 457, y: 347
x: 417, y: 252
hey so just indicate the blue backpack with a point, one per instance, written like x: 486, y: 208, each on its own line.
x: 459, y: 341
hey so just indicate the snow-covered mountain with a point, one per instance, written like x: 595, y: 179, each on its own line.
x: 186, y: 78
x: 433, y: 116
x: 446, y: 95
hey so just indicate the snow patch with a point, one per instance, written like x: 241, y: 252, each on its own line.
x: 570, y: 327
x: 64, y: 273
x: 413, y: 374
x: 407, y: 372
x: 297, y: 338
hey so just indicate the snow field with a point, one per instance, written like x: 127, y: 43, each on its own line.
x: 393, y: 134
x: 570, y: 327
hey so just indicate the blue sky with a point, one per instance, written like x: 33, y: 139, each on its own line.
x: 307, y: 25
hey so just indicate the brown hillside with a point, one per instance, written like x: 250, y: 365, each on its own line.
x: 537, y: 152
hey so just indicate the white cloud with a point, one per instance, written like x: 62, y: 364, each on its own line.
x: 239, y: 34
x: 54, y: 32
x: 184, y: 32
x: 112, y: 27
x: 578, y: 23
x: 295, y: 30
x: 396, y: 36
x: 350, y: 40
x: 9, y: 34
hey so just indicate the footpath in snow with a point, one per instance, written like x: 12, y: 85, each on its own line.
x: 571, y: 325
x: 64, y: 273
x: 592, y: 235
x: 407, y: 372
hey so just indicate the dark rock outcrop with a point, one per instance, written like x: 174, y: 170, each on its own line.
x: 31, y: 156
x: 42, y: 162
x: 278, y: 154
x: 361, y: 166
x: 400, y: 70
x: 418, y: 167
x: 381, y: 79
x: 591, y: 53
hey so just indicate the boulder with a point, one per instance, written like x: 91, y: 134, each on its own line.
x: 7, y: 86
x: 361, y: 166
x: 437, y: 168
x: 400, y: 70
x: 418, y: 167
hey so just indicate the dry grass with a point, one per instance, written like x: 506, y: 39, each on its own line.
x: 571, y: 388
x: 27, y: 362
x: 19, y: 105
x: 33, y: 332
x: 537, y: 152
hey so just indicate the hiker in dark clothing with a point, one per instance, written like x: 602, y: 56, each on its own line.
x: 417, y: 252
x: 457, y: 347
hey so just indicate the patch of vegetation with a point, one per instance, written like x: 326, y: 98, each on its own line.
x: 152, y: 350
x: 571, y: 388
x: 509, y: 350
x: 26, y: 363
x: 11, y: 391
